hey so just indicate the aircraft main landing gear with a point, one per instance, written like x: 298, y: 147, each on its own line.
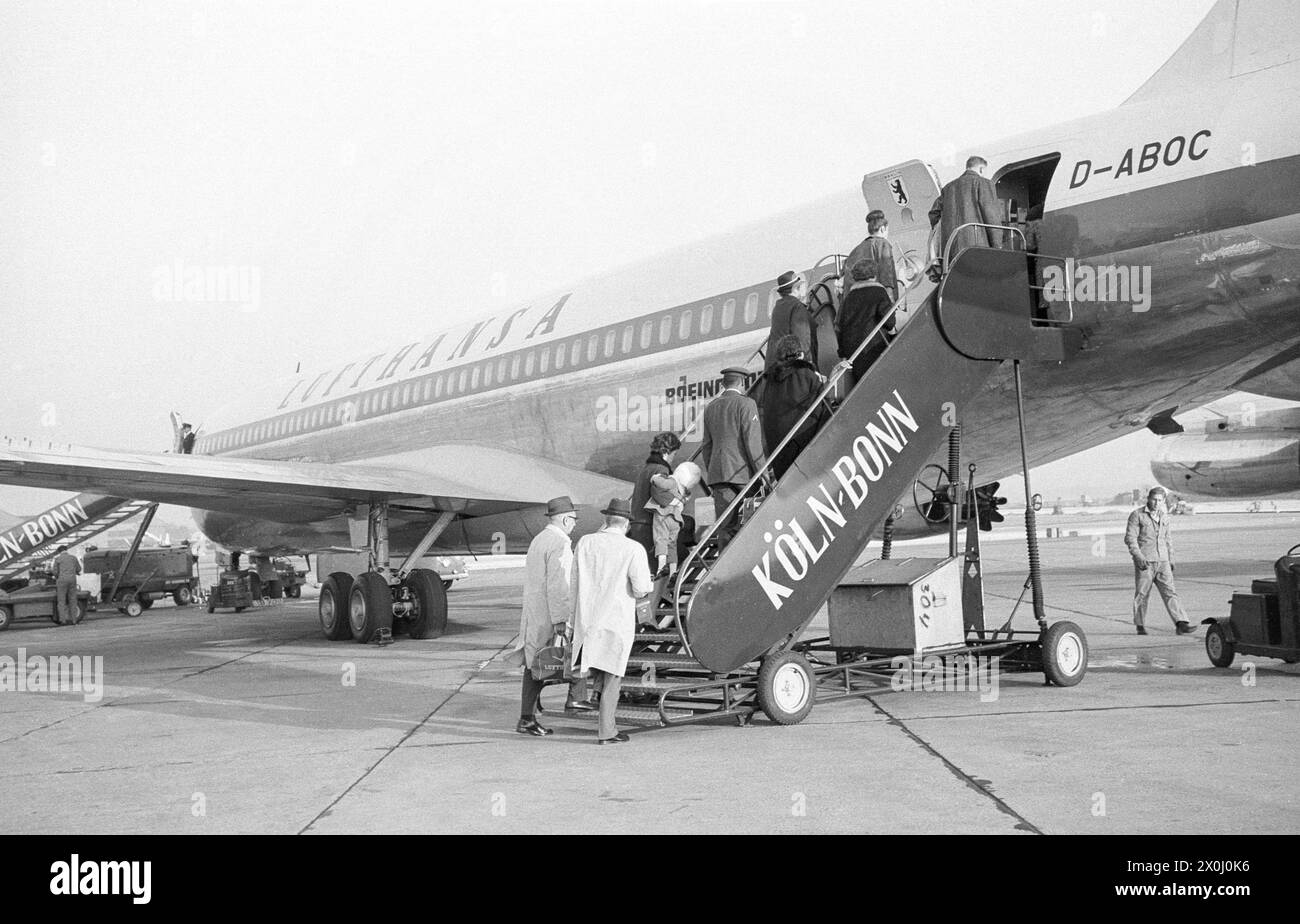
x: 382, y: 601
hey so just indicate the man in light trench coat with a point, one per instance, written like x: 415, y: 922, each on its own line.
x: 609, y: 574
x: 548, y: 606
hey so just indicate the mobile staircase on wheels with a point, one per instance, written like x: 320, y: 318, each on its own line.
x: 734, y: 619
x: 68, y: 523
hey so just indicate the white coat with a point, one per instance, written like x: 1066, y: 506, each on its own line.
x: 548, y: 599
x: 609, y: 572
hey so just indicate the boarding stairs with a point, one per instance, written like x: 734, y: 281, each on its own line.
x: 753, y: 599
x: 69, y: 523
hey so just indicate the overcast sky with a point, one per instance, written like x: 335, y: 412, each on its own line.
x: 388, y: 168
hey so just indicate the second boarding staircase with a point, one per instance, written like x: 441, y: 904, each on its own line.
x: 733, y: 605
x: 68, y: 523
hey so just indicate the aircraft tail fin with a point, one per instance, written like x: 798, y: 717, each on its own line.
x: 1236, y: 37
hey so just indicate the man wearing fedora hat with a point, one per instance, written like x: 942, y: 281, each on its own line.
x: 548, y: 606
x: 609, y: 573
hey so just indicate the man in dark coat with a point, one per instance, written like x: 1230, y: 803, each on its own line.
x: 792, y: 387
x: 969, y: 198
x: 876, y: 247
x: 732, y: 451
x: 659, y: 462
x: 865, y: 305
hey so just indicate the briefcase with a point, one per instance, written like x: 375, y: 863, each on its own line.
x: 551, y: 660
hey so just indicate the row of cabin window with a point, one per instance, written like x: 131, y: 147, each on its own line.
x: 489, y: 372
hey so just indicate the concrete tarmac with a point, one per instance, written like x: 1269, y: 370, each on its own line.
x: 254, y: 722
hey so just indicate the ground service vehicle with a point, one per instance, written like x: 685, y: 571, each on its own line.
x: 1265, y: 621
x: 233, y: 589
x: 134, y: 582
x: 291, y: 577
x: 35, y: 600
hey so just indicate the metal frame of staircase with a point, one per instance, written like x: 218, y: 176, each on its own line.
x: 78, y: 534
x: 666, y: 684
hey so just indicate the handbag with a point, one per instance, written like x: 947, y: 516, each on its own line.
x: 551, y: 661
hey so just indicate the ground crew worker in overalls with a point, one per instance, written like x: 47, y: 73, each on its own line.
x: 66, y: 568
x: 1148, y: 541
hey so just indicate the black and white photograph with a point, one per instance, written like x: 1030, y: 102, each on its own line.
x: 702, y: 417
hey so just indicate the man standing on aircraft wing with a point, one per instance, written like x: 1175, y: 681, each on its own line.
x: 609, y: 574
x: 548, y: 607
x: 969, y: 198
x: 732, y: 450
x: 1148, y: 541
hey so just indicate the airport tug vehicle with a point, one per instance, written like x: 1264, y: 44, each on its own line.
x: 728, y: 640
x: 36, y: 599
x: 1265, y: 621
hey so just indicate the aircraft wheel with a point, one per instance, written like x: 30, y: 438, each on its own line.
x: 333, y: 606
x: 6, y: 617
x: 370, y: 606
x: 1065, y: 653
x: 787, y: 688
x: 429, y: 593
x: 1218, y: 646
x: 132, y: 608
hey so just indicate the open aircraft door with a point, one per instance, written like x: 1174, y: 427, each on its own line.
x: 905, y: 193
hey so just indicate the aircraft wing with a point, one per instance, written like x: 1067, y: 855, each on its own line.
x: 468, y: 479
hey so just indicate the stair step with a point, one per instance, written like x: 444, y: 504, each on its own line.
x: 634, y: 715
x: 663, y: 661
x: 659, y: 635
x: 636, y: 683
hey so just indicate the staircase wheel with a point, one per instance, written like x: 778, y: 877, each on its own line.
x: 787, y: 687
x: 1065, y: 653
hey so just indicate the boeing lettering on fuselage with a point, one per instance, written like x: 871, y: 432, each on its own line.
x: 677, y: 410
x: 1146, y: 158
x: 390, y: 364
x: 795, y: 550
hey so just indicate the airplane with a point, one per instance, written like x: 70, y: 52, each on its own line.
x: 1178, y: 211
x: 1244, y: 446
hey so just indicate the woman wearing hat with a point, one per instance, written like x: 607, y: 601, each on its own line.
x: 659, y: 462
